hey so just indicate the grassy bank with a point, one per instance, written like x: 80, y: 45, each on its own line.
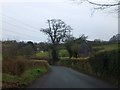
x: 23, y: 75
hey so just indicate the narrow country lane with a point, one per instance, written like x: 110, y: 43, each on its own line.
x: 63, y: 77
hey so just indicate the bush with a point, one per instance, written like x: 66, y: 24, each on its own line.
x: 105, y: 64
x: 14, y: 67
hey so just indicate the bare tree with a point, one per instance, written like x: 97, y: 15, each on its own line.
x: 58, y: 32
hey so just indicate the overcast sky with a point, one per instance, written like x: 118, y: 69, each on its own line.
x: 23, y: 20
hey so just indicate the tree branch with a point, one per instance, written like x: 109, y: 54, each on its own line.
x: 103, y: 4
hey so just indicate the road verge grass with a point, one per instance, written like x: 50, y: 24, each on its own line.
x: 27, y: 77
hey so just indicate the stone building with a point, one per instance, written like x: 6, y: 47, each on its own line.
x: 85, y: 49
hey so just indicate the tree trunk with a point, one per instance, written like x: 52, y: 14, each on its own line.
x: 54, y: 54
x: 76, y: 55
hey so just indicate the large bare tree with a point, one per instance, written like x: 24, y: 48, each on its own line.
x: 58, y: 32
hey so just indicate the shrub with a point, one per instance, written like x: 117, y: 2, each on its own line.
x: 14, y: 67
x: 105, y: 63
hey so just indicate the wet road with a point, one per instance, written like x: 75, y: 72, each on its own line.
x: 63, y: 77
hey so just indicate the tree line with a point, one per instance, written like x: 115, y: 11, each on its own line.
x: 12, y: 49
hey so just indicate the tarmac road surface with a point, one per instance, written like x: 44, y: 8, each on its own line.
x: 63, y: 77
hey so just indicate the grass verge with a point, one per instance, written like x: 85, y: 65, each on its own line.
x: 14, y: 81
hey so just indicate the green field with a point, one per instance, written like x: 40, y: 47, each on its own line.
x: 43, y: 55
x: 107, y: 48
x: 46, y: 54
x: 63, y: 53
